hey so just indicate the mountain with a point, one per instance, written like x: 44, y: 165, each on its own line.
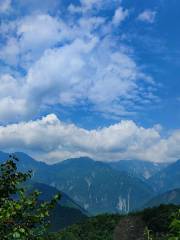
x: 167, y: 179
x: 170, y: 197
x: 95, y: 186
x: 137, y: 168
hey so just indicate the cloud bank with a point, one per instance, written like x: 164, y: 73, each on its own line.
x: 51, y: 140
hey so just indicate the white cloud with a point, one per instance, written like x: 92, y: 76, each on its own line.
x: 34, y: 34
x: 13, y: 105
x: 8, y: 85
x: 72, y: 63
x: 147, y: 16
x: 10, y: 52
x: 92, y: 6
x: 38, y: 32
x: 53, y: 140
x: 85, y: 6
x: 12, y: 109
x: 85, y: 71
x: 119, y: 15
x: 5, y: 6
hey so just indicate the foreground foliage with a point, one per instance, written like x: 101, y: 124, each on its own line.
x: 161, y: 224
x: 175, y: 226
x: 95, y: 228
x: 22, y: 216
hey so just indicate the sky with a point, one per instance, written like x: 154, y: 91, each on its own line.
x: 95, y: 78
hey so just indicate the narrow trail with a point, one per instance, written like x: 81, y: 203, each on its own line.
x: 130, y: 228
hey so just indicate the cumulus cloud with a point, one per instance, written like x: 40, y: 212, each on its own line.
x: 52, y: 140
x: 147, y: 16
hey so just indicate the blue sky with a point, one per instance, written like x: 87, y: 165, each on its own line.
x: 94, y: 65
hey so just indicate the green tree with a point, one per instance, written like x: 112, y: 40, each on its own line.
x: 22, y: 215
x: 175, y: 227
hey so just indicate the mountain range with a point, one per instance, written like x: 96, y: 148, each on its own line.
x: 100, y: 187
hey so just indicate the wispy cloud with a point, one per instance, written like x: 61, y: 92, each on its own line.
x: 148, y: 16
x: 119, y: 15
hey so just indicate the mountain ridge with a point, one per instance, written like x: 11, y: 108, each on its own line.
x: 94, y: 185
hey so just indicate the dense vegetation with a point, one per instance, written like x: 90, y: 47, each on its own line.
x: 95, y: 228
x: 157, y: 221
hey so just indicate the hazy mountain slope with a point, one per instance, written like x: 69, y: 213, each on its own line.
x: 137, y: 168
x: 167, y: 179
x: 170, y: 197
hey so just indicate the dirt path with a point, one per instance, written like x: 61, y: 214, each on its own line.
x: 130, y: 228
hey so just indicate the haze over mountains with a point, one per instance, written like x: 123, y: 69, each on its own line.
x: 100, y: 187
